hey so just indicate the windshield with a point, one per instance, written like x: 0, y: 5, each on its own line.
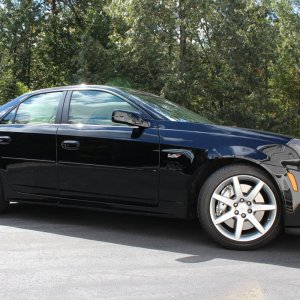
x: 168, y: 109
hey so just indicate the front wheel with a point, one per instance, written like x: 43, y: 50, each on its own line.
x: 239, y: 207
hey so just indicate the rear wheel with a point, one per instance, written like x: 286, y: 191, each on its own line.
x: 239, y: 207
x: 3, y: 204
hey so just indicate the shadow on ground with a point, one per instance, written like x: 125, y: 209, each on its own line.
x: 178, y: 236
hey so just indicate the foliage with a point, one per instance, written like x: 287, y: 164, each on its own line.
x: 236, y: 62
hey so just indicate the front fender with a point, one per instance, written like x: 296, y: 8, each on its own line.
x: 189, y: 158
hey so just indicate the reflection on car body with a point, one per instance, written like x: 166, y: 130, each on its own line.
x: 117, y: 149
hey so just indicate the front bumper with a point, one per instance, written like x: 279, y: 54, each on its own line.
x: 292, y: 197
x: 284, y: 164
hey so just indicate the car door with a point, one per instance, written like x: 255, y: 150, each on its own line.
x: 28, y: 144
x: 102, y: 161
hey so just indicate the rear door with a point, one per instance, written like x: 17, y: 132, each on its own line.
x: 28, y: 145
x: 101, y: 161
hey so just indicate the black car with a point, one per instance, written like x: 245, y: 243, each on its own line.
x: 128, y: 151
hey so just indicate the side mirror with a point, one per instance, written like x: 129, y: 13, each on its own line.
x: 130, y: 118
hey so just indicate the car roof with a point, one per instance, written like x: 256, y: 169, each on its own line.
x: 73, y: 87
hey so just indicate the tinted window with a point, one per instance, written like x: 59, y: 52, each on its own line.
x: 37, y: 109
x: 9, y: 105
x: 9, y: 118
x: 95, y: 107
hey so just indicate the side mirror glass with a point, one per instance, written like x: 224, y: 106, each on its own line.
x: 129, y: 118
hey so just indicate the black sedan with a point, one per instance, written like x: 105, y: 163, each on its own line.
x: 128, y: 151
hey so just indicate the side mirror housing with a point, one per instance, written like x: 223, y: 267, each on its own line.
x: 129, y: 118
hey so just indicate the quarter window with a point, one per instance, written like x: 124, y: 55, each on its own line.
x: 39, y: 109
x: 95, y: 107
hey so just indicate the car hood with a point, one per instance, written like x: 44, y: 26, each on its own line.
x: 254, y: 134
x: 222, y: 131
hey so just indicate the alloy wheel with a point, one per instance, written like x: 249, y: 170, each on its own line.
x: 243, y: 208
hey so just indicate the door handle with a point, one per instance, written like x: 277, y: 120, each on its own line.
x: 5, y: 140
x: 70, y: 145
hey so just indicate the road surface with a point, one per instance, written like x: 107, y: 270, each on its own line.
x: 57, y: 253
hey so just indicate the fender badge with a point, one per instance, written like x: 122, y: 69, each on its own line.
x: 174, y: 155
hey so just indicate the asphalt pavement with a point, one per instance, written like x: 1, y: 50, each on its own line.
x: 58, y: 253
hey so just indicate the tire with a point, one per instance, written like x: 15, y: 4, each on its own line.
x: 239, y: 207
x: 3, y: 204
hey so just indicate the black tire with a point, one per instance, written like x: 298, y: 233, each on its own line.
x: 3, y: 204
x: 208, y: 211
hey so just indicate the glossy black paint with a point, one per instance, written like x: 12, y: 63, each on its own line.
x: 111, y: 165
x: 28, y: 162
x: 157, y: 170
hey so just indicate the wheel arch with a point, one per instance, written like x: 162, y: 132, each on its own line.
x: 205, y: 171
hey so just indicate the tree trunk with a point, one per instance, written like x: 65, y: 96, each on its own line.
x: 182, y: 39
x: 182, y: 51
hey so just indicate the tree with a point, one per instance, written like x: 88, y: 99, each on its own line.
x: 234, y: 61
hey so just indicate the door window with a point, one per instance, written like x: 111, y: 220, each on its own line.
x: 95, y: 107
x: 9, y: 118
x: 39, y: 109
